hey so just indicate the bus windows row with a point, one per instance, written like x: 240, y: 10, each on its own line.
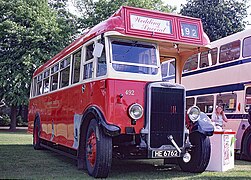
x: 226, y: 53
x: 67, y: 71
x: 206, y: 103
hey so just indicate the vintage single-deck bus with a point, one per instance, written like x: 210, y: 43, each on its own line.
x: 103, y: 95
x: 222, y: 76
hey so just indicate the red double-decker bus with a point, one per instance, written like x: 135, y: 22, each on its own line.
x: 103, y: 95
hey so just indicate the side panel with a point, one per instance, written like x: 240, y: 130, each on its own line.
x: 58, y: 110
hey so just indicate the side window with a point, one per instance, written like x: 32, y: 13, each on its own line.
x: 228, y: 101
x: 54, y: 77
x: 101, y: 65
x: 64, y: 72
x: 246, y: 47
x: 164, y: 69
x: 248, y: 99
x: 214, y: 54
x: 191, y: 63
x: 189, y: 102
x: 205, y: 103
x: 39, y: 85
x: 172, y: 68
x: 230, y: 51
x: 34, y: 87
x: 76, y: 67
x: 88, y: 64
x: 46, y: 81
x: 89, y: 50
x: 204, y: 62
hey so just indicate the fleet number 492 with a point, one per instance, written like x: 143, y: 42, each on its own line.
x: 129, y: 92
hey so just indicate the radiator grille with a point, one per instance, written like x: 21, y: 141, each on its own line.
x: 166, y: 116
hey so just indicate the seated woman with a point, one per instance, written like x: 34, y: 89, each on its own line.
x: 218, y: 117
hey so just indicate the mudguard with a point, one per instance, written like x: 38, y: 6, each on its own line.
x: 109, y: 129
x: 203, y: 125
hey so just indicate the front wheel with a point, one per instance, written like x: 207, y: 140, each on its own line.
x: 200, y: 154
x: 98, y: 151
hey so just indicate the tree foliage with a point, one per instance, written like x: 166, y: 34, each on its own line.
x: 93, y: 12
x: 69, y: 23
x: 220, y: 18
x: 30, y: 34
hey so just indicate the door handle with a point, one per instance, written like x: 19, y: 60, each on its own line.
x: 83, y: 88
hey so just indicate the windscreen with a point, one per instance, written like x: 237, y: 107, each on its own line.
x: 134, y: 57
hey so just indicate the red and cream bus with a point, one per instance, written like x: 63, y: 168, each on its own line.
x: 103, y: 95
x: 221, y: 76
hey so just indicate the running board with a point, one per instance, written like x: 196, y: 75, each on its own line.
x: 59, y: 151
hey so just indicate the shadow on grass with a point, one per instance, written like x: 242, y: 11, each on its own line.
x: 23, y: 162
x: 17, y: 131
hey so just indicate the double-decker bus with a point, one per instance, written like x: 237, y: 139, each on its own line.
x: 103, y: 95
x: 222, y: 76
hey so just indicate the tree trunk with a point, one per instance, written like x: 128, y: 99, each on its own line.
x: 13, y: 117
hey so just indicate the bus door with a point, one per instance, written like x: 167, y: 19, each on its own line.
x: 231, y: 102
x: 94, y: 72
x: 248, y: 101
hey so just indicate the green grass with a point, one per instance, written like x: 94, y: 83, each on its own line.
x: 18, y: 160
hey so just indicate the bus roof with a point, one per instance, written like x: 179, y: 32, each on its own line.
x: 141, y: 23
x: 233, y: 37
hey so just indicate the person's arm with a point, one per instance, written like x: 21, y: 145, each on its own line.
x: 224, y: 117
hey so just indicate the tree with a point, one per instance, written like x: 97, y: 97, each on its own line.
x: 69, y: 23
x: 93, y: 12
x: 220, y: 18
x: 29, y: 35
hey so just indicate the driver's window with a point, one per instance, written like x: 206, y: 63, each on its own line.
x: 101, y: 66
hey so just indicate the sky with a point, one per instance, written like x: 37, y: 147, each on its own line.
x: 177, y: 3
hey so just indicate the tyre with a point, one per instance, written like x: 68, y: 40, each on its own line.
x: 200, y: 154
x: 247, y: 147
x: 36, y: 136
x: 98, y: 151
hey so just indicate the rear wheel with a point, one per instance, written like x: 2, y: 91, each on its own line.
x: 200, y: 154
x: 247, y: 147
x: 98, y: 151
x: 36, y: 136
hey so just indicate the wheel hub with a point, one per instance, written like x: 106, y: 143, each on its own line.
x: 91, y: 149
x: 186, y: 157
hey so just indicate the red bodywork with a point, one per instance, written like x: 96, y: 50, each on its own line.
x: 57, y: 109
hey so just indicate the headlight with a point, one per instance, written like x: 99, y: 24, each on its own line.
x: 135, y: 111
x: 193, y: 113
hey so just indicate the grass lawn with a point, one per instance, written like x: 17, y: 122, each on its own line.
x: 18, y: 160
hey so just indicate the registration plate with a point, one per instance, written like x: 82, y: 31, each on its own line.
x: 165, y: 153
